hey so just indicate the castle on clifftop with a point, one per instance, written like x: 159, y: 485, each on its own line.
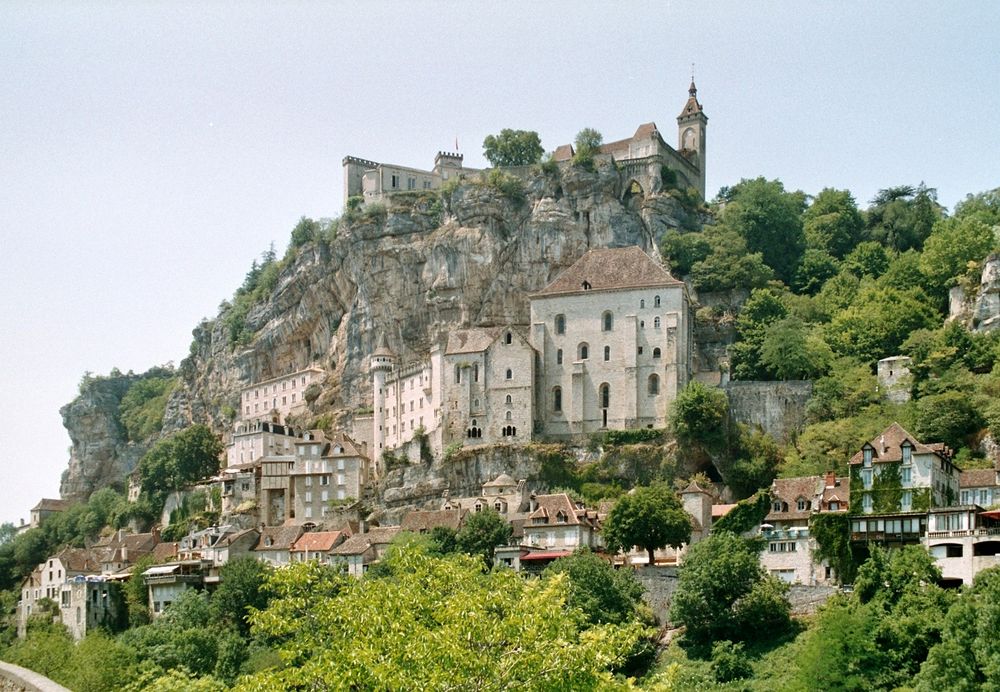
x: 644, y: 158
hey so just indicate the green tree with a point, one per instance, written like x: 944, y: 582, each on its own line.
x: 142, y: 407
x: 730, y: 264
x: 182, y: 458
x: 650, y: 517
x: 867, y: 259
x: 724, y: 593
x: 586, y: 146
x: 816, y: 268
x: 879, y: 321
x: 482, y: 532
x: 770, y: 219
x: 832, y: 223
x: 513, y: 148
x: 603, y: 593
x: 793, y: 351
x: 305, y: 231
x: 437, y: 623
x: 952, y: 245
x: 762, y: 309
x: 948, y: 417
x: 243, y: 588
x: 901, y: 217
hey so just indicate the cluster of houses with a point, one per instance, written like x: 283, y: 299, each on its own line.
x: 899, y: 491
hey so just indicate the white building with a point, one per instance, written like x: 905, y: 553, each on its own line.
x: 614, y: 342
x: 252, y: 440
x: 276, y: 399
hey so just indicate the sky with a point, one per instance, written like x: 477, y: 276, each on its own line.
x: 149, y: 152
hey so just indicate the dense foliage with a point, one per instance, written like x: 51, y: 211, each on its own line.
x: 513, y: 148
x: 650, y: 517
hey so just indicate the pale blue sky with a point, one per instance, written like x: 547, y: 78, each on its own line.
x: 149, y: 151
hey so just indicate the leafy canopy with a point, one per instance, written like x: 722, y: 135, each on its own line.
x: 650, y: 517
x: 513, y: 148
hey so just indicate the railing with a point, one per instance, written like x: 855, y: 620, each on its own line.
x: 173, y: 579
x: 968, y: 533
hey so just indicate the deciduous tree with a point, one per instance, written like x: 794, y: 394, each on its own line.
x: 651, y: 517
x: 513, y: 148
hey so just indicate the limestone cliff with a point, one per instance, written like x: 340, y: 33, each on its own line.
x: 978, y: 307
x: 424, y: 264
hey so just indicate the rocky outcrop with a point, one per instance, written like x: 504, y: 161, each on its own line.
x: 420, y: 267
x: 979, y: 309
x: 100, y: 453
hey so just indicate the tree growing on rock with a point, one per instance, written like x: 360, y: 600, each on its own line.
x: 513, y: 148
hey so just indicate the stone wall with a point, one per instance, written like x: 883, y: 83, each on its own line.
x: 17, y: 679
x: 778, y: 408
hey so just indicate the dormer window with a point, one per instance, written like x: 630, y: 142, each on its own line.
x: 868, y: 456
x: 802, y: 504
x: 776, y: 506
x: 907, y: 453
x: 560, y: 517
x: 585, y: 285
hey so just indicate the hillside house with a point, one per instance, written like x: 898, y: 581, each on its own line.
x: 275, y: 544
x: 278, y: 398
x: 317, y: 545
x: 362, y: 550
x: 166, y: 583
x: 45, y: 508
x: 87, y: 603
x: 896, y: 473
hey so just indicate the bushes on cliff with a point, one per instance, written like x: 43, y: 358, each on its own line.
x: 180, y: 459
x: 513, y: 148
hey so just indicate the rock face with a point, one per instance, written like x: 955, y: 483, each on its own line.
x: 424, y: 265
x: 100, y: 455
x: 980, y: 312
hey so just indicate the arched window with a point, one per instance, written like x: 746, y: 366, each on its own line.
x: 583, y: 351
x: 656, y: 301
x: 557, y: 399
x: 510, y: 374
x: 605, y: 395
x: 607, y: 353
x: 656, y: 323
x: 607, y: 321
x: 656, y: 353
x: 508, y: 416
x: 560, y: 324
x: 585, y: 285
x: 509, y: 339
x: 510, y: 400
x: 559, y: 357
x: 654, y: 385
x: 642, y: 303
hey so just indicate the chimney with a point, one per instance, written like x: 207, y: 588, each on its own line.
x: 882, y: 444
x: 831, y: 479
x: 156, y: 533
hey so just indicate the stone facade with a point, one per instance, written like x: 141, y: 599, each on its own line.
x: 609, y: 347
x: 276, y: 399
x: 614, y: 344
x: 87, y: 603
x: 251, y: 440
x: 895, y: 379
x: 371, y: 181
x: 643, y: 155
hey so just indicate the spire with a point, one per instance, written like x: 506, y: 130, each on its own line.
x: 693, y: 90
x: 383, y: 347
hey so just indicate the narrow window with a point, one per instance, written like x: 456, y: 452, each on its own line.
x: 475, y: 372
x: 458, y: 374
x: 510, y: 374
x: 656, y: 323
x: 509, y: 416
x: 509, y: 399
x: 583, y: 351
x: 607, y: 321
x: 605, y: 395
x: 510, y: 338
x: 642, y: 303
x: 558, y: 362
x: 654, y: 385
x: 656, y: 353
x: 656, y: 302
x: 607, y: 353
x: 557, y: 399
x: 560, y: 324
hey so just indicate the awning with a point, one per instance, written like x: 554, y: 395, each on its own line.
x: 545, y: 555
x: 160, y: 569
x: 991, y: 514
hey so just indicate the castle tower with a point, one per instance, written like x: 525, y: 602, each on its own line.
x: 691, y: 126
x: 381, y: 367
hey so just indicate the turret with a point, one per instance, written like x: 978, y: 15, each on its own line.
x: 382, y: 363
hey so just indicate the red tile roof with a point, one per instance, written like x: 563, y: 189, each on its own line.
x: 318, y: 541
x: 887, y: 446
x: 978, y: 478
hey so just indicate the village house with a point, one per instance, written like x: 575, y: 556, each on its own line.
x: 789, y: 552
x: 979, y: 487
x: 325, y: 471
x: 896, y: 473
x: 275, y: 544
x: 317, y: 545
x: 90, y: 602
x: 362, y: 550
x: 120, y: 550
x: 425, y: 521
x: 45, y: 508
x: 503, y: 493
x: 372, y: 181
x: 251, y: 440
x: 166, y: 583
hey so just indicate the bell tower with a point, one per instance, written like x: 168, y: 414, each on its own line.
x: 691, y: 126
